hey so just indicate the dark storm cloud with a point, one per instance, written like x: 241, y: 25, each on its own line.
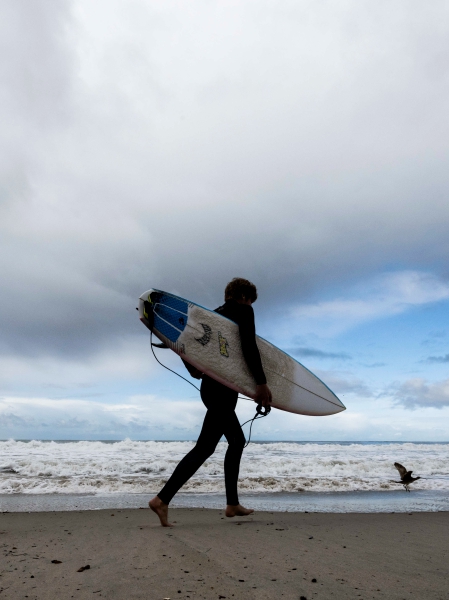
x: 313, y: 352
x: 146, y: 146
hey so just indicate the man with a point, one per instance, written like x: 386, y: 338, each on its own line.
x: 220, y: 402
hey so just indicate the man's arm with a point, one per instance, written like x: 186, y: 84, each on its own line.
x: 251, y: 353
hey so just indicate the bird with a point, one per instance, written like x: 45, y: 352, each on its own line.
x: 406, y: 476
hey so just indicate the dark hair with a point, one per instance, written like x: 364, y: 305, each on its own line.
x: 239, y: 288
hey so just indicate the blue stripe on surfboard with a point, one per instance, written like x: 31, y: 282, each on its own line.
x: 170, y: 315
x: 174, y: 302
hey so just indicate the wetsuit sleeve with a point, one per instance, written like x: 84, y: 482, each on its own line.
x: 250, y: 350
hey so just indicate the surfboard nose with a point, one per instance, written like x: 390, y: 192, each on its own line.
x: 336, y: 402
x: 313, y: 396
x: 327, y: 404
x: 308, y: 404
x: 338, y: 406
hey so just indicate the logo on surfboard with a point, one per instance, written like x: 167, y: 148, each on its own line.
x: 205, y: 339
x: 223, y: 345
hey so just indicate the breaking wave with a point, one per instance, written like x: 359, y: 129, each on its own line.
x: 84, y: 467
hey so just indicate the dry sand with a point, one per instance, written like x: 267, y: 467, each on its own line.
x: 268, y: 555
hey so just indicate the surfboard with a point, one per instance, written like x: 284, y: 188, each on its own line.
x: 211, y: 343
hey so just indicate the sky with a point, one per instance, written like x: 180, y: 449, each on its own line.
x: 302, y: 145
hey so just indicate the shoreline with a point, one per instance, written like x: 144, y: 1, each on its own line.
x: 364, y: 502
x: 267, y: 555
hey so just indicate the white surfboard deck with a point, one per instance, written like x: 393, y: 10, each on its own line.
x: 211, y: 343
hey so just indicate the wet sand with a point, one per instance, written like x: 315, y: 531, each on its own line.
x: 265, y: 556
x: 333, y: 502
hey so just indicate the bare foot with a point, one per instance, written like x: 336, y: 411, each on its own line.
x: 237, y: 511
x: 161, y: 509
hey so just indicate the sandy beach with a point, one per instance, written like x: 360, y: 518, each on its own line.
x: 267, y: 555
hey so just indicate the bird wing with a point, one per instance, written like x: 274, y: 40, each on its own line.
x: 402, y: 470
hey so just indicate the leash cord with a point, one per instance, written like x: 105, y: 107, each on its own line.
x: 168, y: 368
x: 256, y: 416
x: 259, y: 414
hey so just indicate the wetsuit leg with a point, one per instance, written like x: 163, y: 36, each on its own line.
x: 236, y: 442
x: 220, y: 420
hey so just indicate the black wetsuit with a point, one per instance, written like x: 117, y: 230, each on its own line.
x: 220, y: 418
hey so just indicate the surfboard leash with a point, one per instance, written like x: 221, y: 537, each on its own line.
x: 261, y: 411
x: 165, y: 367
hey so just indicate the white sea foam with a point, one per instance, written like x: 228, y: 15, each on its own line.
x: 38, y: 467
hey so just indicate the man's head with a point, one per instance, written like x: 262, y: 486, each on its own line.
x: 241, y: 290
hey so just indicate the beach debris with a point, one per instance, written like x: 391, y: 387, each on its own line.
x: 85, y: 568
x: 56, y: 562
x: 406, y: 476
x: 311, y: 537
x: 302, y: 598
x: 314, y: 580
x: 220, y: 596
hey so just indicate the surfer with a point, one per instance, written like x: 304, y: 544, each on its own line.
x: 220, y: 402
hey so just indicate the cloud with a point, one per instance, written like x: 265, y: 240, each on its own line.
x: 128, y: 360
x: 387, y: 295
x: 437, y: 359
x: 139, y: 417
x: 342, y: 384
x: 313, y: 352
x: 177, y: 145
x: 418, y: 392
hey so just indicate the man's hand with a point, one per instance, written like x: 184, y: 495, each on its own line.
x: 263, y: 395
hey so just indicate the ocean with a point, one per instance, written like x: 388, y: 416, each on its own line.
x: 292, y: 476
